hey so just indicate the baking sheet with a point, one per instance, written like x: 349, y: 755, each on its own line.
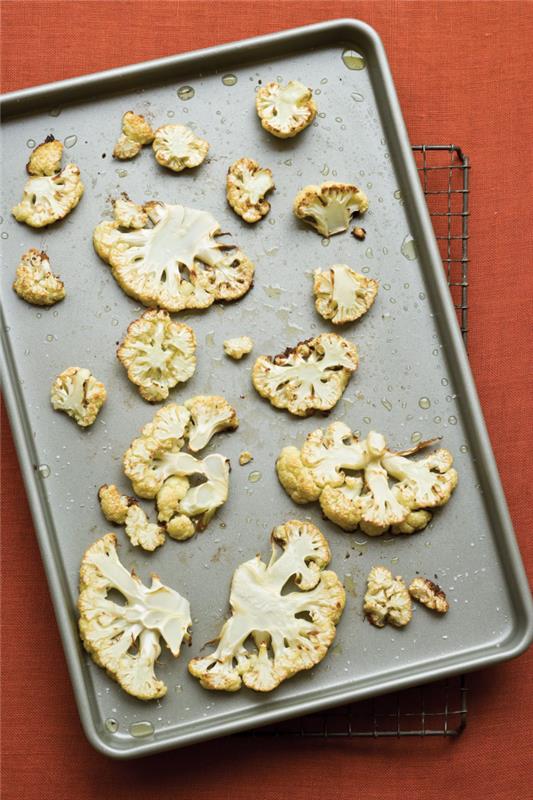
x: 410, y: 351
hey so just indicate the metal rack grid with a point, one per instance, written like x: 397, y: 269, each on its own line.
x: 435, y: 709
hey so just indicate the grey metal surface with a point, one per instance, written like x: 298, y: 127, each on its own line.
x: 410, y: 348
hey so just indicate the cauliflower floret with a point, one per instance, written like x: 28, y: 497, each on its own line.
x: 35, y: 282
x: 136, y: 132
x: 297, y: 479
x: 128, y: 214
x: 210, y: 414
x: 284, y: 111
x: 309, y: 377
x: 246, y: 187
x: 414, y: 522
x: 341, y: 505
x: 238, y: 347
x: 429, y: 594
x: 114, y: 505
x: 175, y: 264
x: 47, y: 199
x: 327, y: 453
x: 124, y: 639
x: 379, y: 507
x: 158, y: 354
x: 245, y: 457
x: 343, y: 295
x: 142, y: 532
x: 387, y: 599
x: 181, y: 528
x: 291, y: 632
x: 177, y: 148
x: 46, y: 158
x: 77, y: 392
x: 426, y: 483
x: 329, y: 208
x: 169, y: 496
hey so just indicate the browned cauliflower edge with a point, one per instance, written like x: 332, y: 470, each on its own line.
x: 35, y: 282
x: 343, y: 295
x: 136, y: 132
x: 77, y: 392
x: 246, y: 186
x: 429, y: 594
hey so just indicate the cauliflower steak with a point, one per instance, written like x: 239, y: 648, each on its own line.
x: 246, y: 187
x: 343, y: 295
x: 285, y: 111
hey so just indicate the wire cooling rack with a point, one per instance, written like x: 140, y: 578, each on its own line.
x: 435, y: 709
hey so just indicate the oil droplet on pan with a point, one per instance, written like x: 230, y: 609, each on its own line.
x: 254, y: 476
x: 452, y: 420
x: 369, y: 253
x: 111, y: 725
x: 464, y: 448
x: 437, y: 420
x: 122, y: 173
x: 70, y: 141
x: 353, y: 60
x: 30, y: 143
x: 185, y: 92
x: 357, y: 96
x: 408, y: 248
x: 141, y: 729
x: 229, y: 79
x: 397, y: 195
x: 424, y: 402
x: 114, y: 322
x: 387, y: 405
x: 170, y: 113
x: 444, y: 381
x: 416, y: 436
x: 43, y: 470
x: 325, y: 170
x: 325, y: 242
x: 5, y: 235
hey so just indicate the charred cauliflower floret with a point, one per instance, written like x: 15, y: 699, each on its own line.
x: 210, y: 414
x: 136, y: 132
x: 246, y: 187
x: 158, y: 354
x: 286, y: 633
x: 429, y: 594
x: 351, y: 480
x: 387, y: 599
x: 343, y: 295
x: 177, y: 148
x: 124, y: 639
x: 77, y: 392
x: 285, y: 111
x: 114, y: 505
x: 35, y: 282
x: 49, y: 195
x: 329, y: 208
x: 174, y: 262
x: 238, y: 347
x: 309, y: 377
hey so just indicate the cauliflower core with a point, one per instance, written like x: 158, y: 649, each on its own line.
x: 176, y: 147
x: 329, y: 208
x: 343, y: 295
x: 47, y: 196
x: 158, y: 354
x: 387, y: 599
x: 309, y: 377
x: 124, y: 639
x: 285, y: 111
x: 238, y: 347
x: 350, y: 479
x: 136, y: 132
x: 174, y: 261
x: 429, y: 594
x: 77, y: 392
x: 35, y: 282
x: 246, y: 187
x: 286, y: 633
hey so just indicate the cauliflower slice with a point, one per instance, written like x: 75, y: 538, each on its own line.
x: 77, y: 392
x: 423, y: 484
x: 429, y: 594
x: 124, y: 639
x: 329, y: 208
x: 136, y: 132
x: 210, y: 414
x: 285, y: 111
x: 287, y: 632
x: 176, y: 263
x: 387, y: 599
x: 343, y: 295
x: 35, y: 282
x: 46, y: 158
x: 238, y: 347
x: 177, y: 148
x: 309, y: 377
x: 142, y: 532
x: 246, y: 187
x: 47, y: 199
x: 114, y: 505
x: 158, y: 354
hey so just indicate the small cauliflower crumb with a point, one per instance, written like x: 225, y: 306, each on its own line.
x: 245, y: 458
x: 429, y: 594
x: 387, y: 599
x: 136, y: 132
x: 177, y: 148
x: 359, y: 233
x: 246, y: 187
x: 35, y: 282
x: 238, y: 347
x: 77, y: 392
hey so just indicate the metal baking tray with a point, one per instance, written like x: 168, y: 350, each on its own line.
x: 413, y: 378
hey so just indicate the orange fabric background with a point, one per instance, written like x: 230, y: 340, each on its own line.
x: 463, y: 74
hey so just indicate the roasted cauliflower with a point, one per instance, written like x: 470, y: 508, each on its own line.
x: 246, y: 187
x: 429, y: 594
x: 350, y: 479
x: 177, y: 148
x: 285, y: 111
x: 136, y: 132
x: 286, y: 633
x: 309, y: 377
x: 387, y: 599
x: 46, y: 158
x: 114, y: 505
x: 128, y: 214
x: 124, y: 639
x: 329, y: 208
x: 77, y: 392
x: 175, y: 262
x: 35, y: 282
x: 158, y: 354
x: 140, y: 531
x: 238, y: 347
x: 210, y: 414
x: 343, y: 295
x: 245, y: 457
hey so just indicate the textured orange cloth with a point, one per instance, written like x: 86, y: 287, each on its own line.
x: 462, y: 70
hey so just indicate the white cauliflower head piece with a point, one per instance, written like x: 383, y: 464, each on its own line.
x: 246, y: 186
x: 287, y: 633
x: 136, y: 132
x: 158, y: 354
x: 387, y: 599
x: 210, y: 414
x: 343, y: 295
x: 329, y: 208
x: 46, y: 158
x: 77, y: 392
x: 114, y: 505
x: 309, y: 377
x: 238, y: 347
x: 177, y: 148
x: 140, y: 531
x: 285, y: 111
x: 429, y: 594
x: 174, y: 262
x: 124, y: 639
x: 35, y: 282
